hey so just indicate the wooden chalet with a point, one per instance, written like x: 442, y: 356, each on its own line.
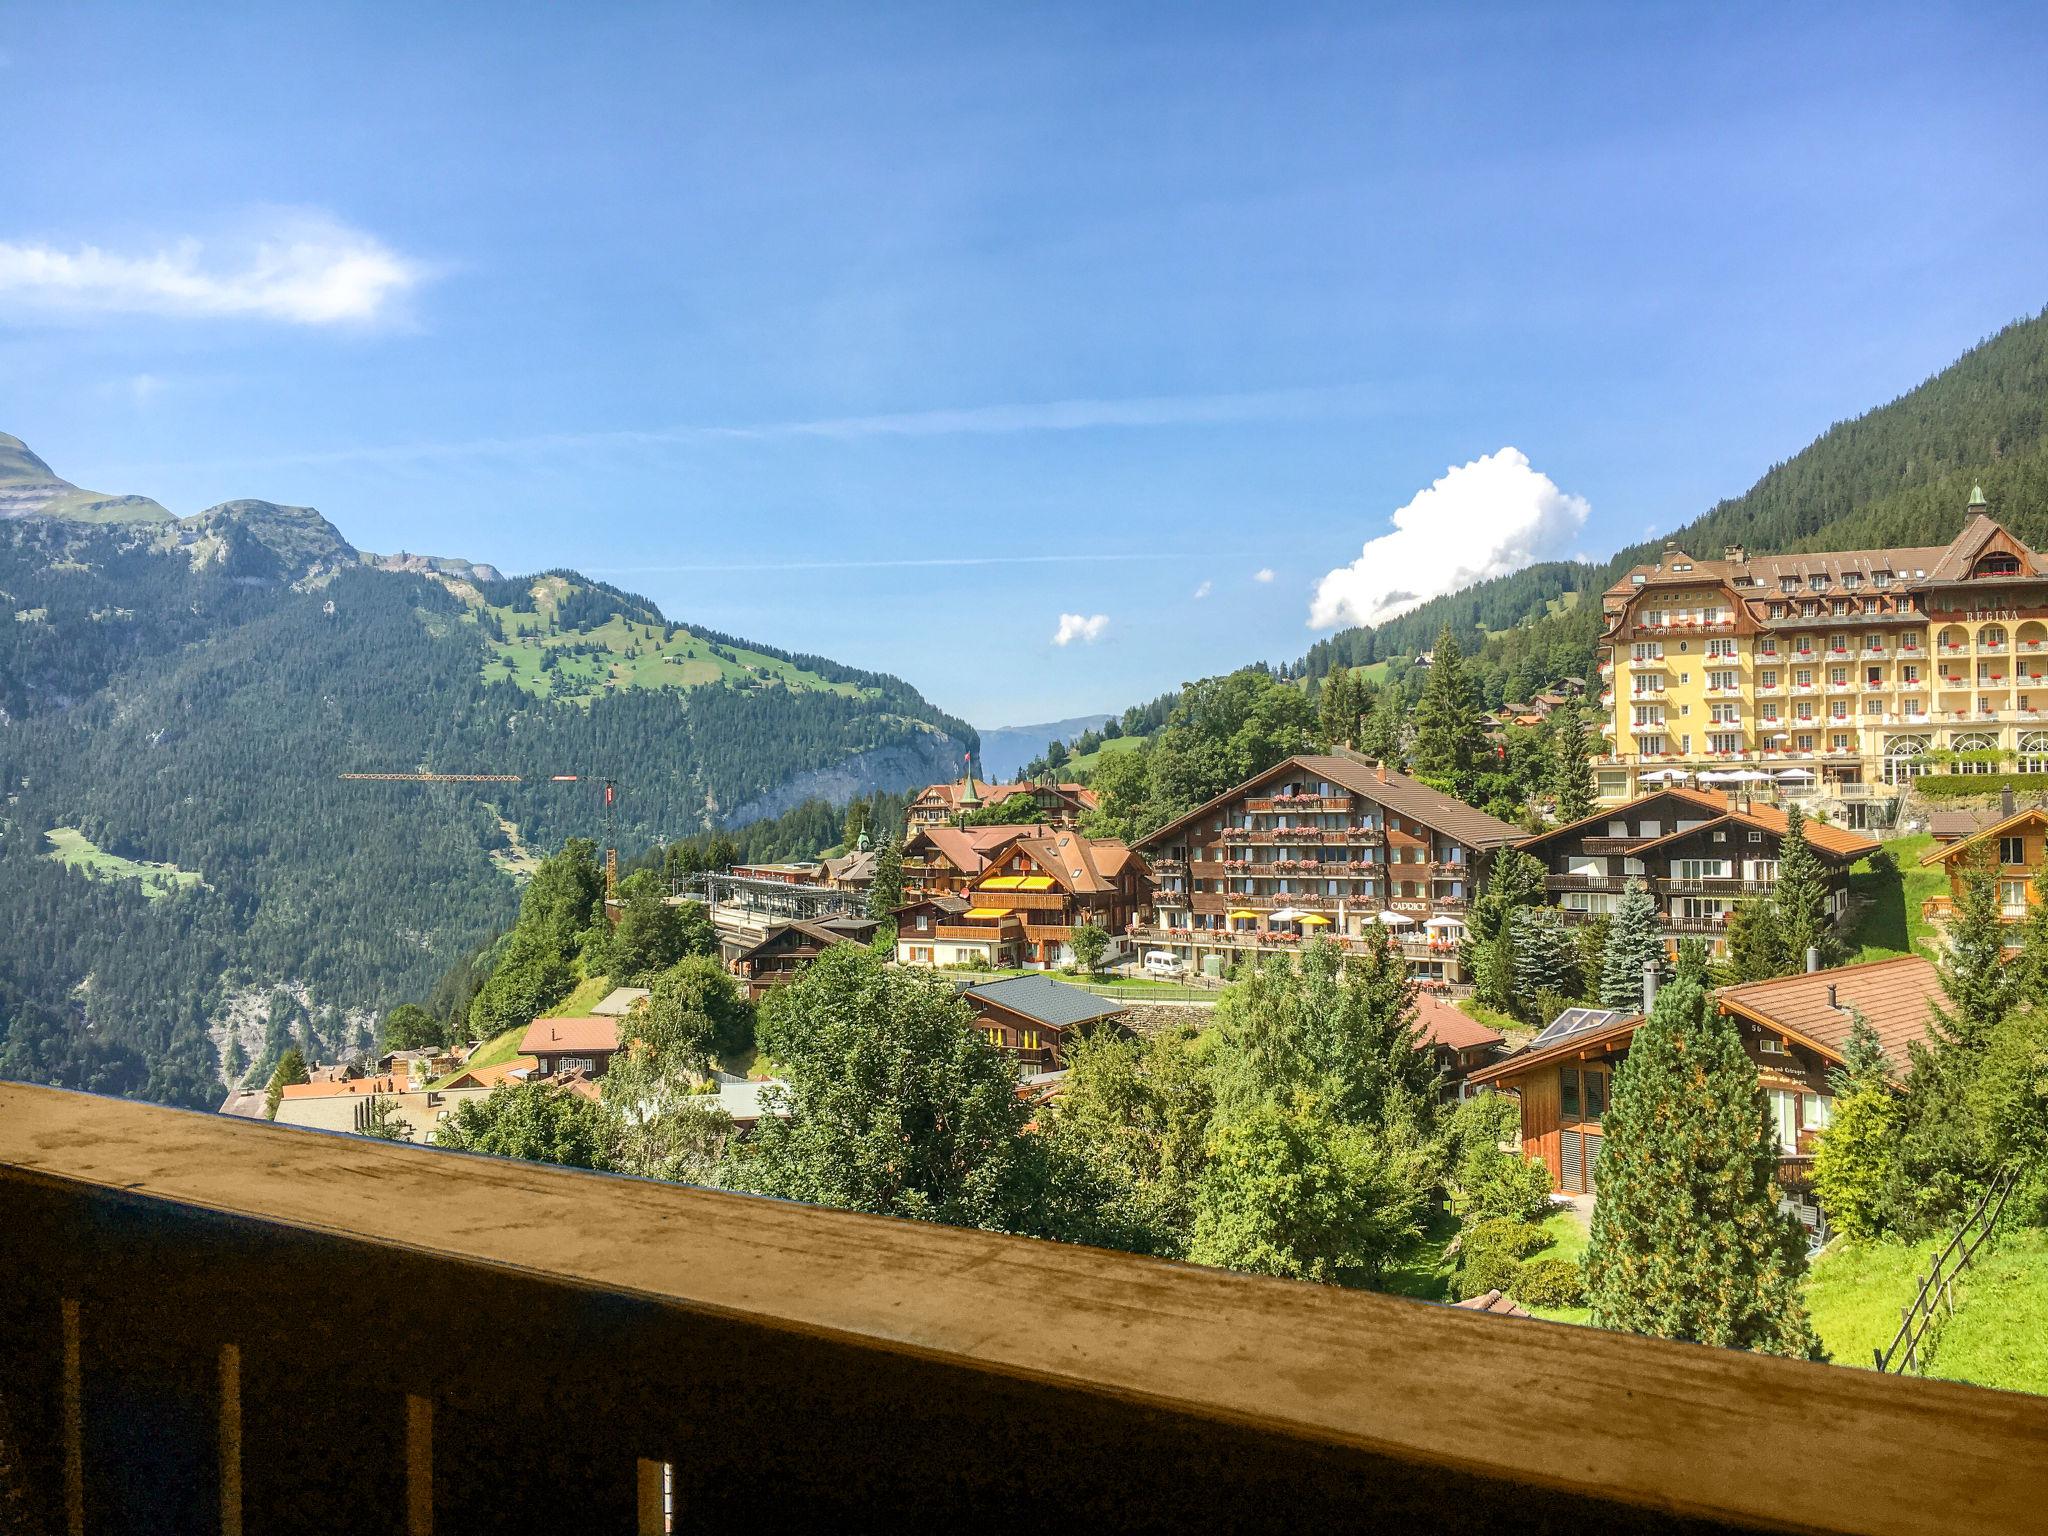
x: 563, y: 1046
x: 1032, y: 895
x: 1321, y: 845
x: 1461, y: 1044
x: 918, y: 925
x: 938, y: 805
x: 1794, y: 1028
x: 948, y: 858
x: 2013, y: 845
x: 1032, y: 1017
x: 1699, y: 852
x: 788, y: 947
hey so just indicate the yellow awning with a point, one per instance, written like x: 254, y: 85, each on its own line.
x: 1314, y: 919
x: 1244, y: 916
x: 1002, y: 883
x: 988, y: 911
x: 1034, y: 883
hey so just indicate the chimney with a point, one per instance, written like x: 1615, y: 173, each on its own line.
x: 1735, y: 554
x: 1649, y: 985
x: 1383, y: 770
x: 1812, y: 959
x: 1833, y: 1001
x: 2006, y: 805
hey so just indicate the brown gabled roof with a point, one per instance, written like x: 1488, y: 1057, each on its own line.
x: 491, y: 1076
x: 1947, y: 826
x: 1411, y: 798
x: 1896, y: 996
x: 1448, y: 1025
x: 1943, y: 853
x: 1087, y: 866
x: 1978, y: 533
x: 332, y: 1088
x: 947, y: 905
x: 969, y: 849
x: 553, y: 1037
x: 818, y: 932
x: 1827, y: 839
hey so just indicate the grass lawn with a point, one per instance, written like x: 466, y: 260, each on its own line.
x: 1087, y: 760
x: 1999, y: 1335
x: 75, y: 851
x: 1517, y: 1032
x: 1891, y: 923
x: 1854, y: 1291
x: 1568, y: 1232
x: 1420, y: 1273
x: 578, y: 1005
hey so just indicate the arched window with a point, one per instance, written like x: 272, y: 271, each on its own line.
x: 1991, y: 634
x: 2034, y: 752
x: 1904, y: 758
x: 1979, y: 744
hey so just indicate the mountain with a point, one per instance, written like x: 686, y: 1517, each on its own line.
x: 179, y: 857
x: 29, y: 488
x: 1007, y: 748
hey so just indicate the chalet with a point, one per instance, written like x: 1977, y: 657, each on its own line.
x: 801, y: 873
x: 1035, y: 892
x: 1460, y: 1043
x: 571, y: 1045
x: 918, y: 933
x: 939, y: 805
x: 789, y: 947
x: 949, y: 858
x: 1794, y: 1028
x: 1321, y: 845
x: 851, y: 871
x: 1699, y: 853
x: 2014, y: 846
x: 1032, y: 1016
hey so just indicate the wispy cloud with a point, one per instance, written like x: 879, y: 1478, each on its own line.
x: 1204, y: 590
x: 291, y: 266
x: 1150, y: 411
x: 1479, y: 520
x: 1085, y: 628
x: 1264, y: 574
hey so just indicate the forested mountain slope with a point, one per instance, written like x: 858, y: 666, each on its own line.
x: 186, y: 692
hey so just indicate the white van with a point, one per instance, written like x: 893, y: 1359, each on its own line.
x: 1161, y: 962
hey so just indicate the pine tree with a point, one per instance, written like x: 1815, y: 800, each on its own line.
x: 1515, y: 881
x: 885, y: 894
x: 291, y: 1068
x: 1450, y: 733
x: 1384, y: 728
x: 1545, y: 959
x: 1688, y: 1241
x: 1572, y: 765
x: 1979, y: 984
x: 1694, y: 961
x: 1635, y: 938
x: 1337, y: 718
x: 2030, y: 973
x: 1799, y: 899
x: 1756, y: 948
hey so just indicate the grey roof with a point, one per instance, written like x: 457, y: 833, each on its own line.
x: 619, y: 1001
x: 1044, y: 999
x: 1576, y: 1021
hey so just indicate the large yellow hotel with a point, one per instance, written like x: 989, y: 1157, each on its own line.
x: 1842, y: 668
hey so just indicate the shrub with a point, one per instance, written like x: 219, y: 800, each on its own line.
x: 1485, y: 1272
x: 1499, y: 1235
x: 1551, y: 1282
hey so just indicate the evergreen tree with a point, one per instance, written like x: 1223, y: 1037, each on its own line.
x: 1572, y: 766
x: 1756, y: 947
x: 1799, y: 902
x: 1856, y: 1164
x: 1979, y: 984
x: 650, y: 935
x: 409, y: 1027
x: 2030, y: 971
x: 1635, y: 939
x: 885, y: 895
x: 1383, y: 727
x: 1694, y: 961
x: 1450, y: 732
x: 383, y: 1122
x: 291, y: 1068
x: 1545, y: 960
x: 1688, y: 1241
x: 1337, y: 712
x: 1515, y: 881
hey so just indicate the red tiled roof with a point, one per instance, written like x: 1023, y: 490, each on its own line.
x: 555, y: 1037
x: 1448, y: 1025
x: 330, y: 1088
x: 1896, y: 996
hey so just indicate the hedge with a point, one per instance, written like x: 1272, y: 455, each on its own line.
x: 1958, y: 786
x: 1552, y: 1282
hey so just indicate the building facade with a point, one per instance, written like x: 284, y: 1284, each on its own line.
x: 1852, y: 667
x: 2013, y: 846
x: 1698, y: 852
x: 936, y: 805
x: 1321, y: 845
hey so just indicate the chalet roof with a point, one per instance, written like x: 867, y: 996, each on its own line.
x: 955, y: 793
x: 968, y: 849
x: 1828, y: 840
x: 1896, y: 996
x: 1052, y: 1003
x: 1443, y: 1023
x: 1603, y: 1028
x: 1410, y: 798
x: 555, y: 1037
x: 332, y: 1088
x: 1087, y: 866
x: 1947, y: 826
x: 852, y: 868
x: 823, y: 932
x: 1978, y: 532
x: 619, y: 1001
x: 491, y: 1076
x: 1944, y: 853
x: 947, y: 905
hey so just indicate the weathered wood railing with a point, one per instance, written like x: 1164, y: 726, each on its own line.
x: 1917, y: 1316
x: 222, y: 1325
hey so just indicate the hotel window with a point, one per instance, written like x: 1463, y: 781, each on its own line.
x: 1648, y: 650
x: 1803, y: 742
x: 1028, y: 1040
x: 1839, y: 742
x: 1809, y: 609
x: 1838, y: 709
x: 1654, y: 746
x: 1909, y: 671
x: 1702, y: 869
x: 1768, y: 678
x: 1724, y: 743
x: 1720, y: 647
x: 1817, y: 583
x: 1838, y: 676
x: 1768, y: 710
x: 1802, y: 677
x: 1851, y: 580
x: 1873, y: 706
x: 1725, y: 714
x: 1873, y: 677
x: 1776, y: 610
x: 2012, y: 850
x: 1724, y: 679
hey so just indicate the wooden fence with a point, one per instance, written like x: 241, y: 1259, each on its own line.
x: 1918, y: 1316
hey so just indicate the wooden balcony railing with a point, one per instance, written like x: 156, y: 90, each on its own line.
x: 221, y: 1325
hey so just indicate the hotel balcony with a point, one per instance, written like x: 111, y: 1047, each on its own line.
x: 1167, y: 868
x: 219, y: 1325
x: 1339, y: 803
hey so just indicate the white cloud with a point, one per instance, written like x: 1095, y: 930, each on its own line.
x: 1482, y: 519
x: 1074, y: 626
x: 1264, y: 574
x: 1204, y: 590
x: 298, y: 267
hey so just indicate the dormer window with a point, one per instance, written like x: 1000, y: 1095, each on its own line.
x: 1817, y: 583
x: 1788, y: 583
x: 1880, y: 578
x: 1851, y: 580
x: 1681, y: 565
x: 2000, y: 564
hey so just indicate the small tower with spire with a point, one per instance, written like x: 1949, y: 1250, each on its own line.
x: 1977, y: 501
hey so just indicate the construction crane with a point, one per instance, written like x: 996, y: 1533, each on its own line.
x: 611, y: 795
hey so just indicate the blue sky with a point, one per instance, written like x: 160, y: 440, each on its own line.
x: 762, y: 310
